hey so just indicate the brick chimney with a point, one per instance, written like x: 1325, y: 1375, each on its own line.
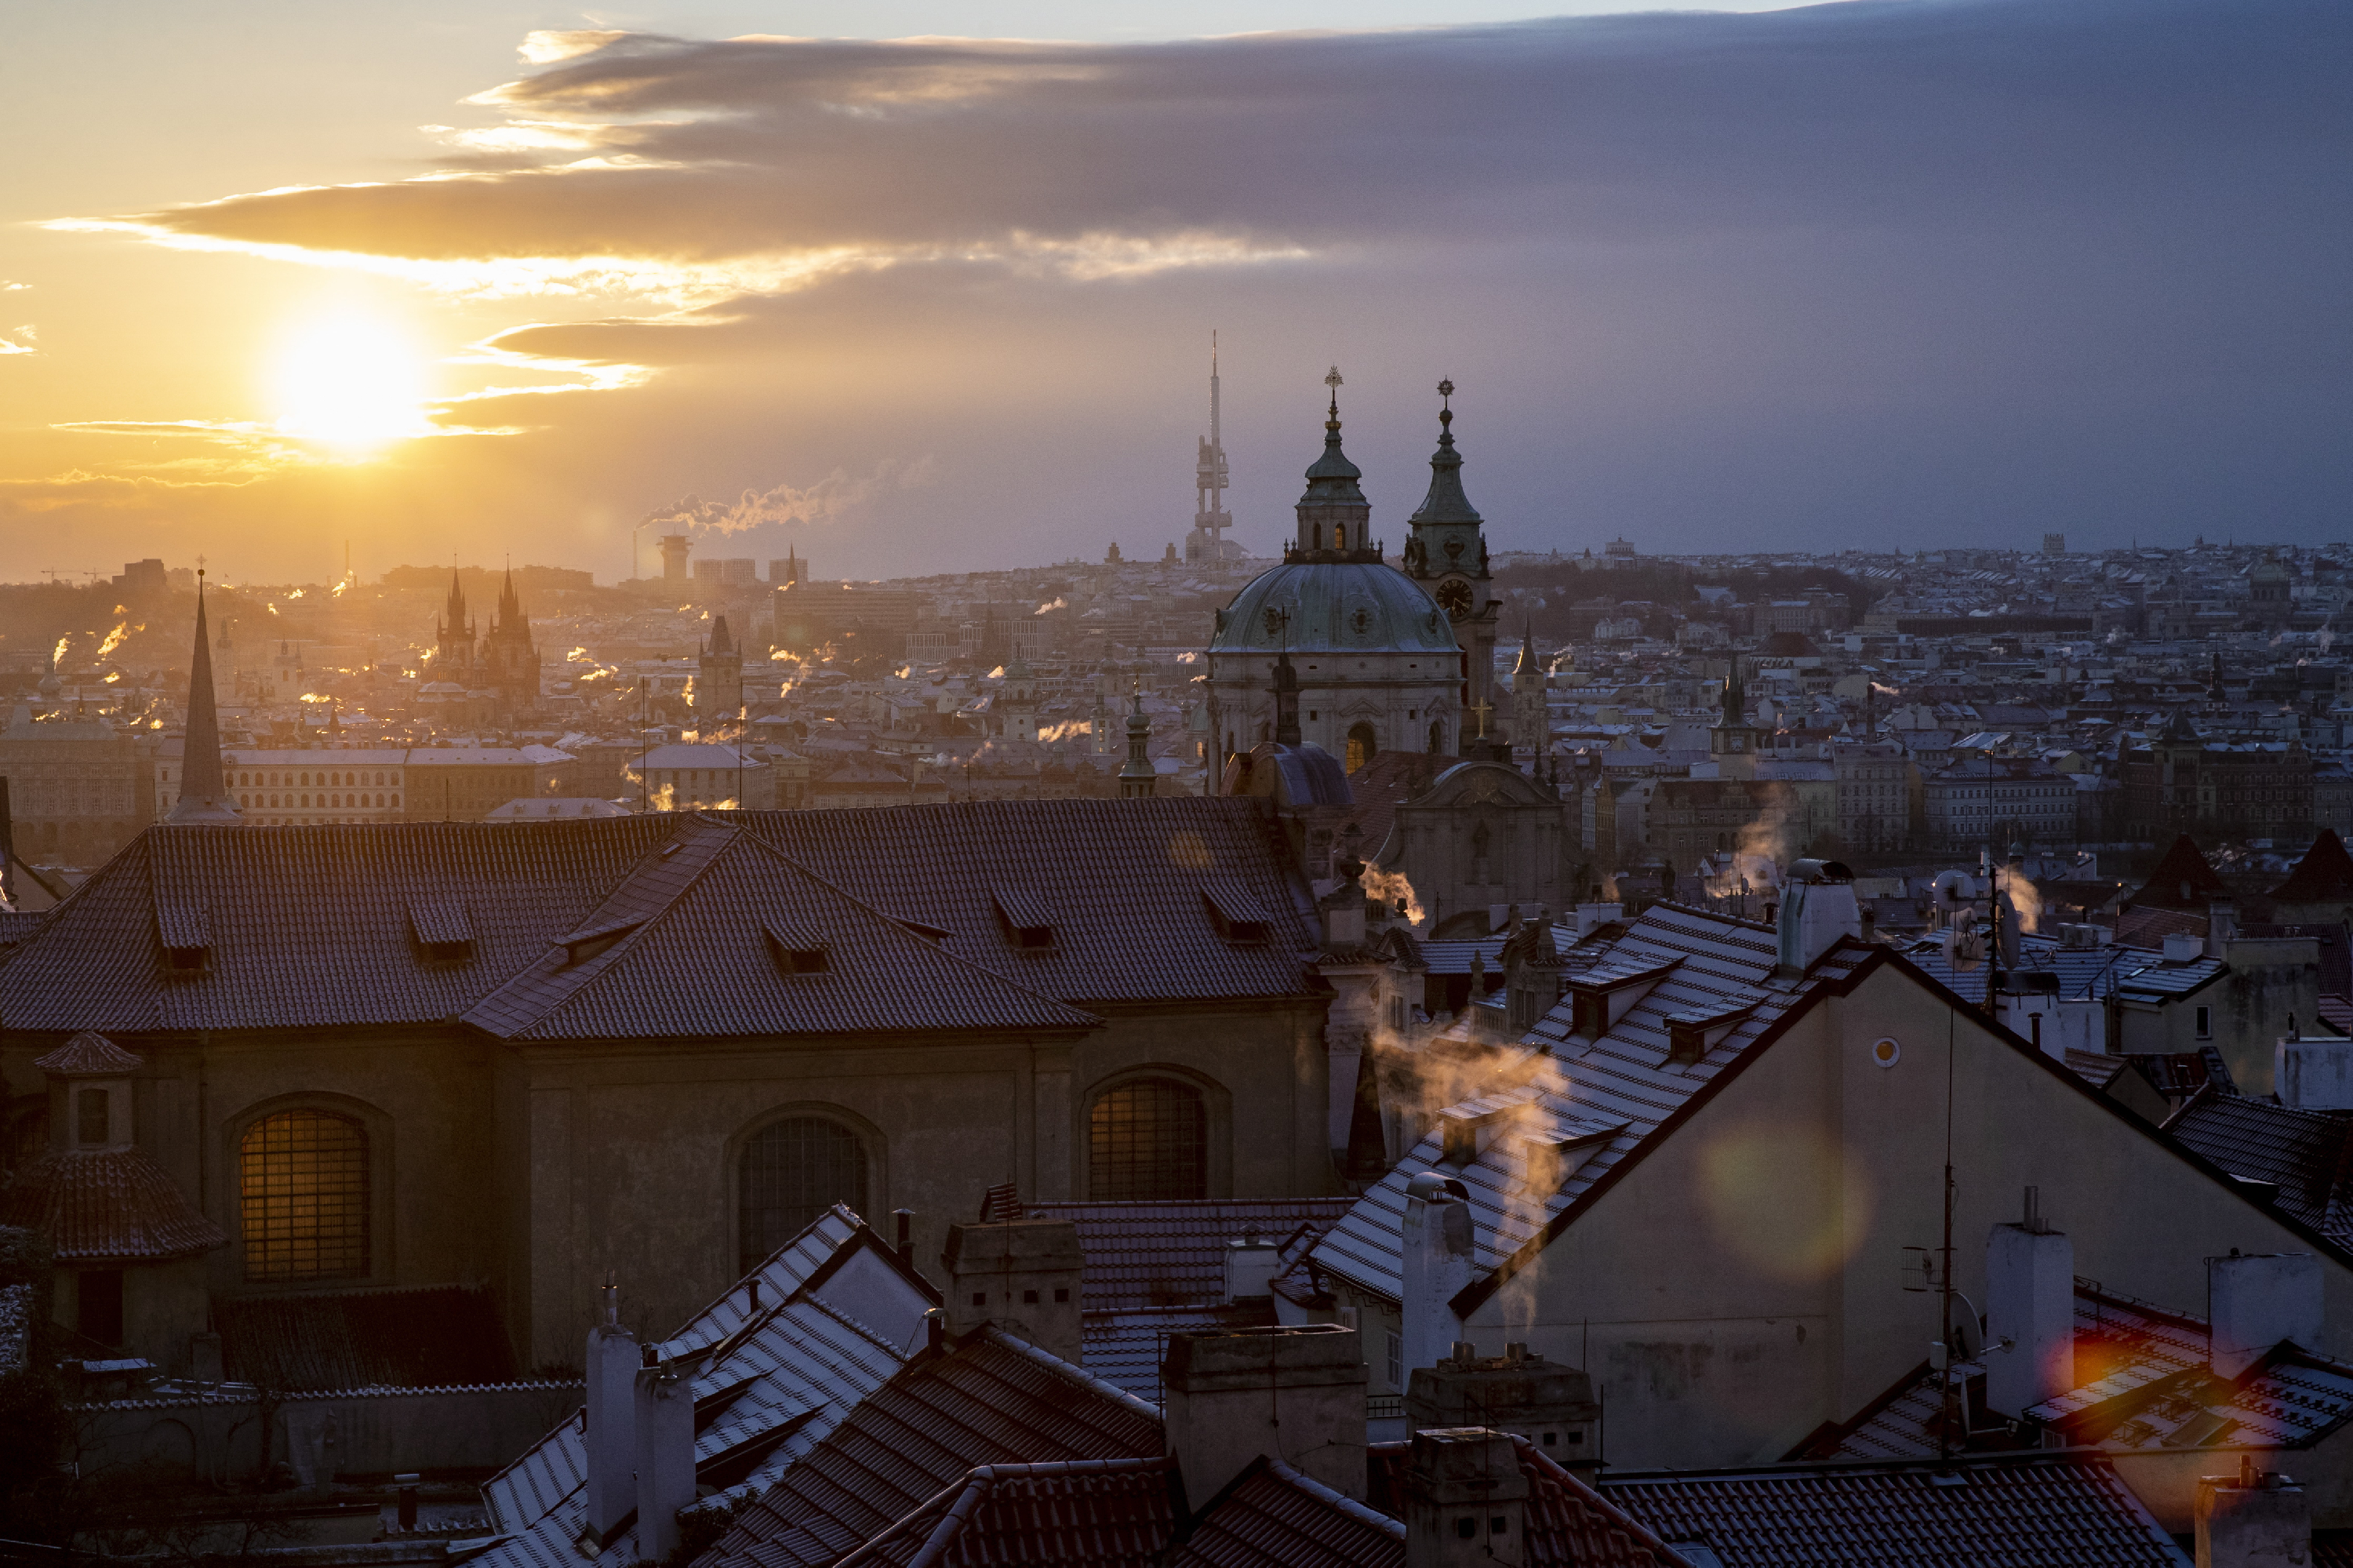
x: 1022, y: 1275
x: 612, y: 1444
x: 2258, y: 1300
x: 2029, y: 1302
x: 1437, y: 1260
x: 665, y: 1454
x: 1296, y: 1394
x: 1465, y: 1500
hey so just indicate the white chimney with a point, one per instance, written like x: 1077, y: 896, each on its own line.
x: 2312, y: 1074
x: 1252, y: 1263
x: 612, y: 1445
x: 1296, y: 1394
x: 1438, y: 1254
x: 1588, y: 916
x: 665, y: 1406
x: 2221, y: 925
x: 1818, y: 908
x: 2183, y: 947
x: 2252, y: 1519
x: 2257, y: 1300
x: 2030, y: 1304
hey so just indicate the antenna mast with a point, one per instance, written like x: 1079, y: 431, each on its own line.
x: 1210, y: 518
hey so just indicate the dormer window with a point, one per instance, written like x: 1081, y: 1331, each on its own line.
x: 582, y: 946
x: 1238, y: 918
x: 92, y: 1111
x: 1029, y: 923
x: 798, y: 950
x: 443, y: 933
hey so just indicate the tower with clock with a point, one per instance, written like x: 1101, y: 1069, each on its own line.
x: 1447, y: 555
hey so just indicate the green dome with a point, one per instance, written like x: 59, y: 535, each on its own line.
x: 1332, y: 607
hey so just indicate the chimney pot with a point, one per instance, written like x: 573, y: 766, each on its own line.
x: 665, y: 1457
x: 2252, y: 1519
x: 612, y: 1451
x: 2029, y: 1302
x: 1465, y: 1500
x: 1025, y: 1275
x: 2257, y: 1300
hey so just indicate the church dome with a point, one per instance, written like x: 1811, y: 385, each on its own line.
x: 1332, y: 607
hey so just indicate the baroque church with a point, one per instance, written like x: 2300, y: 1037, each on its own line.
x: 1358, y: 695
x: 502, y: 662
x: 1338, y: 649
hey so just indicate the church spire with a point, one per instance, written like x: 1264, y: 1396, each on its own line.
x: 1334, y: 518
x: 1138, y: 779
x: 204, y: 791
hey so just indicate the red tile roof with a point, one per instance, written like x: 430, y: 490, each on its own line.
x: 1273, y: 1517
x: 1122, y: 883
x: 1570, y: 1524
x: 106, y: 1206
x: 90, y: 1055
x: 2183, y: 880
x: 1086, y: 1513
x: 987, y: 1400
x: 692, y: 958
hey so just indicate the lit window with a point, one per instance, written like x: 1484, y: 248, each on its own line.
x: 790, y: 1172
x: 1148, y: 1141
x: 302, y: 1194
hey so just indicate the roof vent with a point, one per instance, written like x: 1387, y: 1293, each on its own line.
x: 1028, y: 921
x: 442, y: 929
x: 797, y: 950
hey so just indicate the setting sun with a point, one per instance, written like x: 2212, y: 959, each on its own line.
x: 349, y: 382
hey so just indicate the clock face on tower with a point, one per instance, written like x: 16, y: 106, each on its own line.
x: 1454, y: 597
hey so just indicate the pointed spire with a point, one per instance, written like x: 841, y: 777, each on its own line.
x: 203, y: 790
x: 1138, y: 779
x: 1446, y: 502
x: 1527, y: 664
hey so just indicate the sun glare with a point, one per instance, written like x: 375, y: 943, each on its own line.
x: 351, y: 382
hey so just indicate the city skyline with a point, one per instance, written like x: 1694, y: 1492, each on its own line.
x: 1815, y: 276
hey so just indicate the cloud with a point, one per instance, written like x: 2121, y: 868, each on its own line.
x: 1829, y: 275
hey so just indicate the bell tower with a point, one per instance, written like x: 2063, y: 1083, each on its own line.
x: 1334, y: 518
x: 1447, y: 556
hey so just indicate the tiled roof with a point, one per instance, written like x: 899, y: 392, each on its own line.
x: 1273, y: 1517
x: 17, y: 925
x: 2325, y: 874
x: 2061, y: 1510
x: 677, y: 950
x: 1122, y: 882
x: 310, y: 926
x: 786, y: 1374
x: 984, y: 1400
x: 2183, y: 880
x: 2081, y: 971
x: 2308, y: 1154
x: 1174, y: 1254
x: 2146, y: 1385
x: 1086, y: 1513
x: 1609, y: 1097
x: 1569, y: 1525
x: 106, y: 1206
x: 90, y: 1055
x: 2178, y: 1075
x: 418, y: 1338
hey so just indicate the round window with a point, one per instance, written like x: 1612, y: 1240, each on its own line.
x: 1886, y: 1051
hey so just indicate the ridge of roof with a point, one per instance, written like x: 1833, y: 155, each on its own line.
x: 90, y: 1055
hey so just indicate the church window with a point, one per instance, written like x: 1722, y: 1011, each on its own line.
x: 303, y: 1196
x: 1148, y: 1141
x: 1361, y: 746
x: 789, y: 1174
x: 1339, y: 536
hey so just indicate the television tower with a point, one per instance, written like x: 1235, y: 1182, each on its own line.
x: 1210, y: 518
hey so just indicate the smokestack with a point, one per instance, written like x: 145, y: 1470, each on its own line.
x: 2257, y: 1300
x: 1438, y: 1257
x: 2031, y: 1303
x: 612, y: 1445
x: 1465, y: 1500
x: 665, y: 1454
x: 1296, y: 1393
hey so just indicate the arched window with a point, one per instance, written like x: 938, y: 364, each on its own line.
x: 789, y: 1174
x: 1147, y: 1141
x: 1361, y: 746
x: 303, y: 1196
x: 1339, y: 536
x: 1437, y: 737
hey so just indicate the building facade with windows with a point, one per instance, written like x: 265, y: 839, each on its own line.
x: 527, y: 1053
x: 1998, y: 801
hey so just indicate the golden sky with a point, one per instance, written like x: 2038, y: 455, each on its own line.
x: 907, y: 288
